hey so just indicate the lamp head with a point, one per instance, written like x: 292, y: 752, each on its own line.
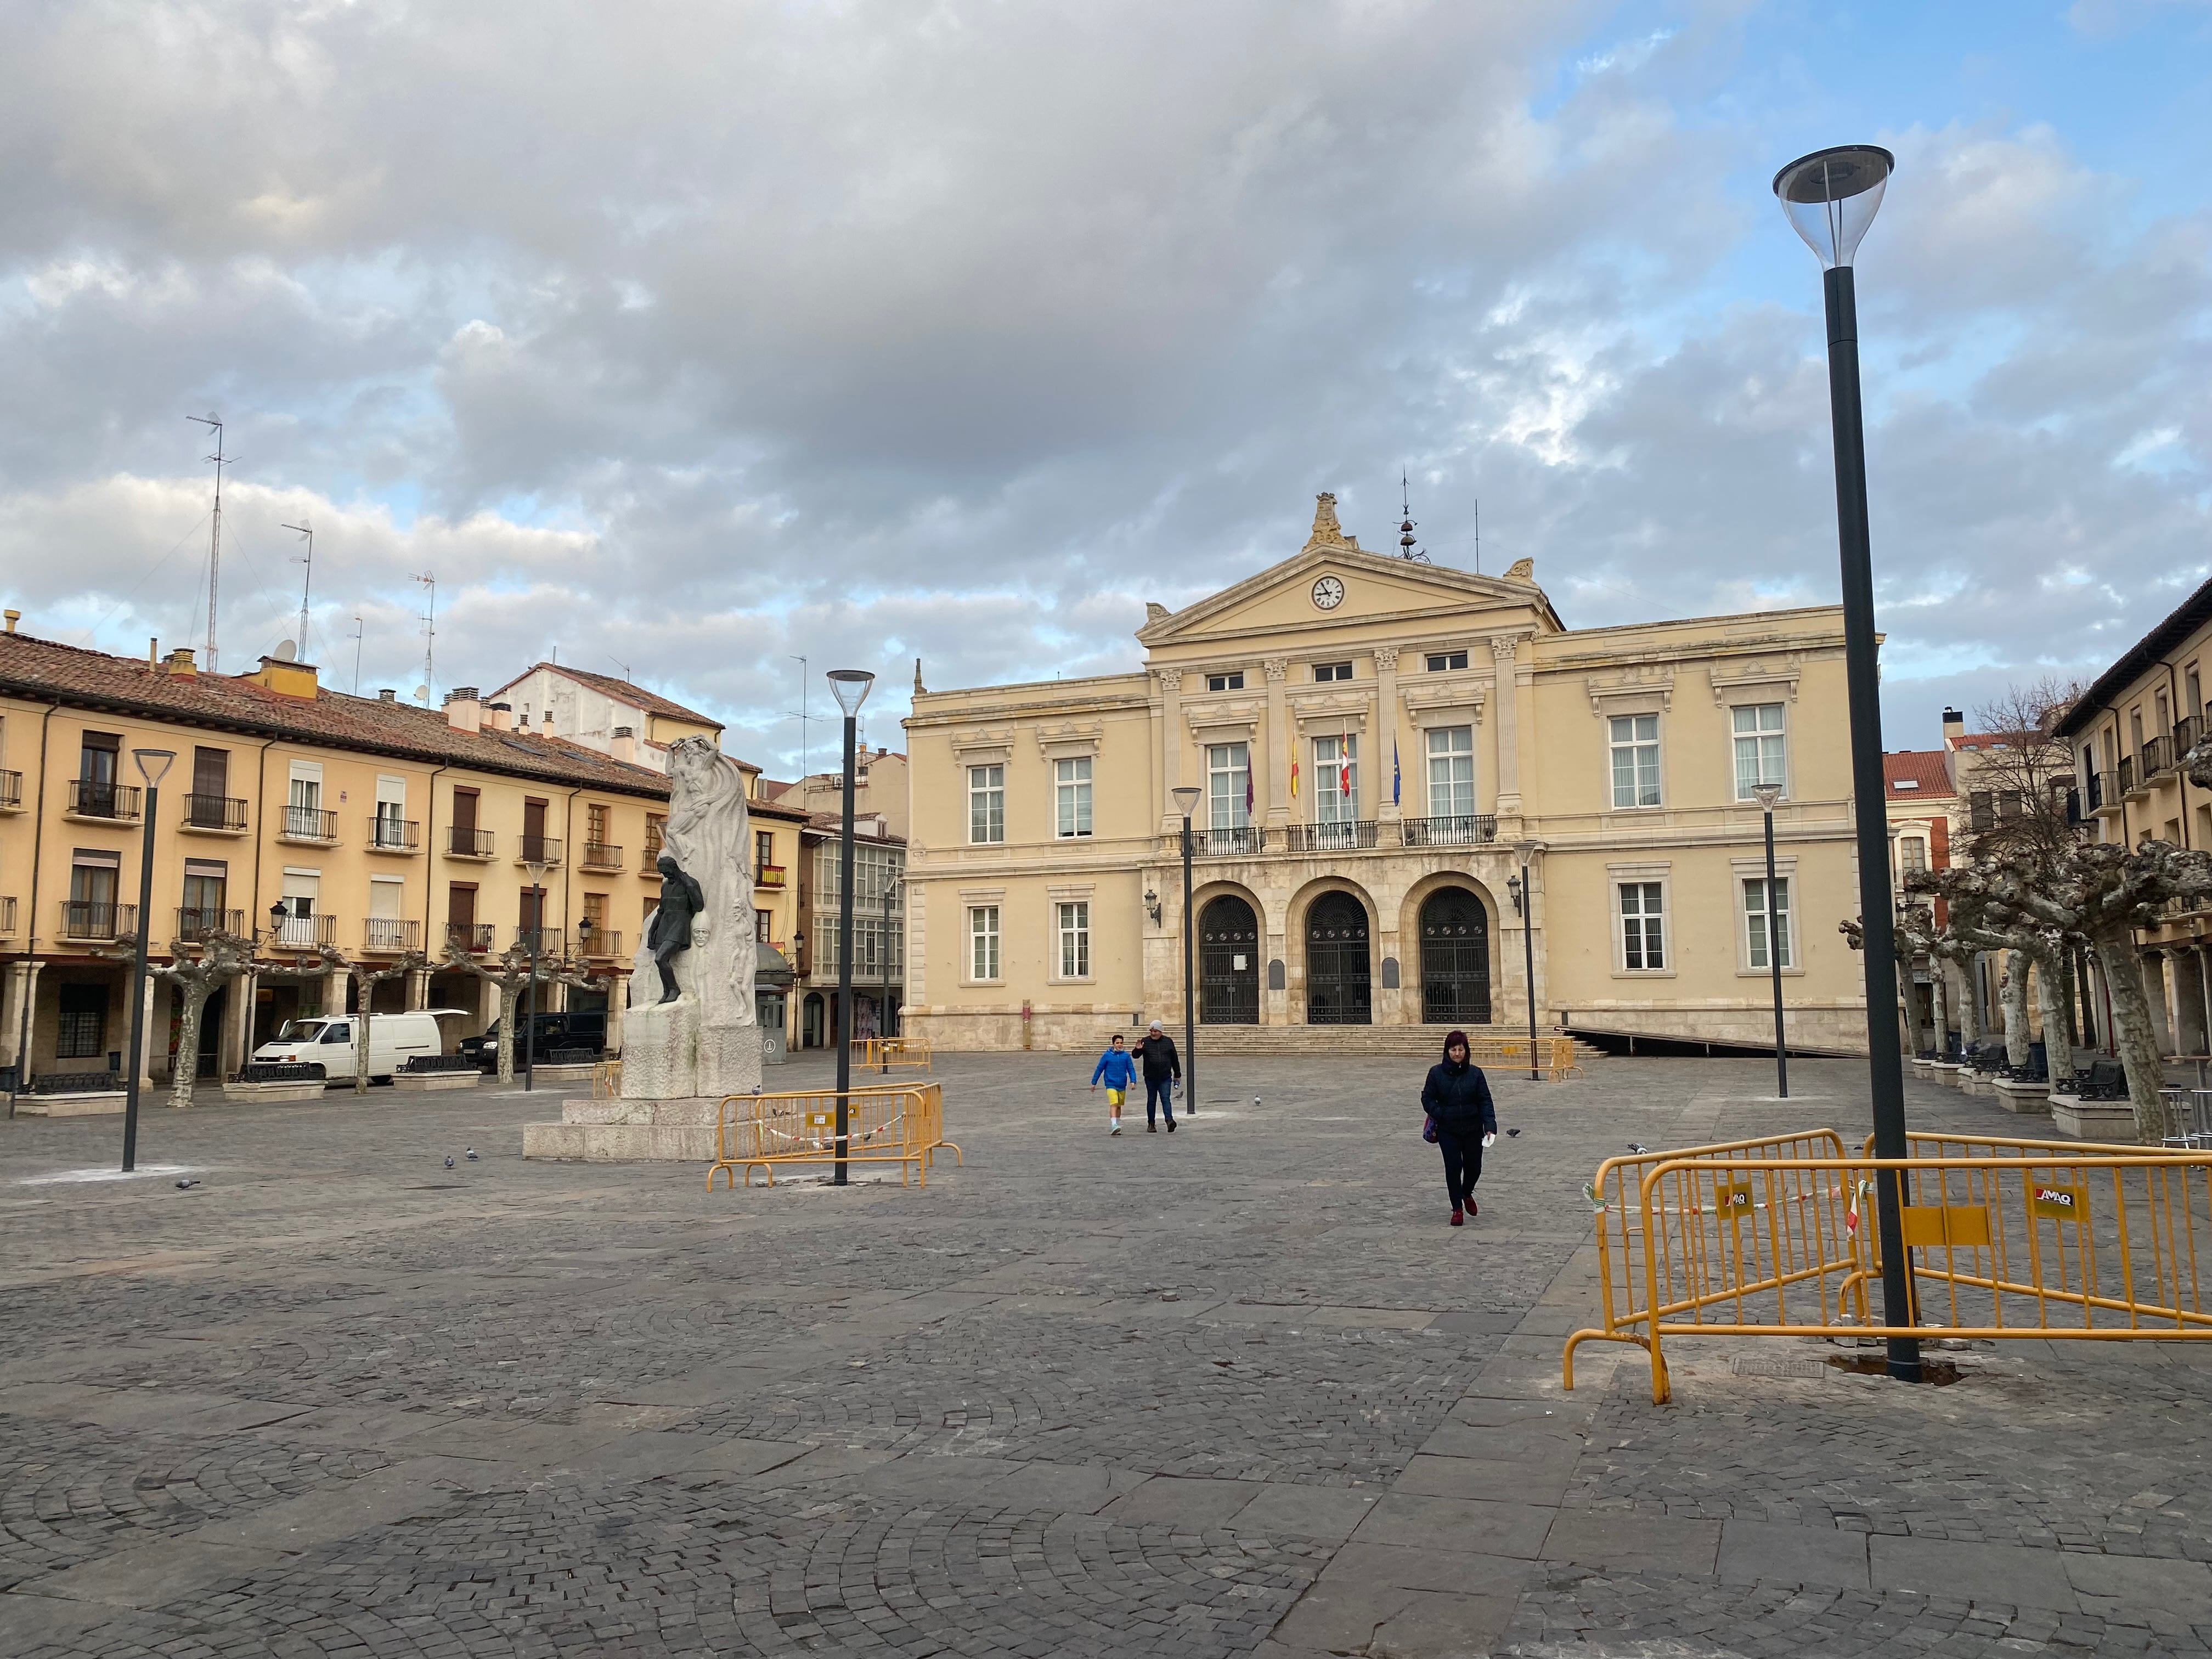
x: 1767, y: 795
x: 277, y: 912
x: 850, y: 687
x: 1186, y: 798
x: 1831, y: 196
x: 537, y: 868
x: 1513, y: 888
x: 153, y: 765
x: 583, y: 929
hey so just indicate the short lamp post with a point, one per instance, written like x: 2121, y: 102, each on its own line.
x: 884, y: 1016
x: 850, y: 686
x: 1830, y: 197
x: 1767, y: 794
x: 153, y: 766
x: 1186, y: 797
x: 1524, y: 906
x: 537, y: 867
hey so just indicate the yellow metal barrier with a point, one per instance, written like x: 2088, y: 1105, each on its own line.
x: 891, y: 1054
x: 2062, y: 1241
x: 1555, y: 1056
x: 897, y: 1123
x: 607, y: 1079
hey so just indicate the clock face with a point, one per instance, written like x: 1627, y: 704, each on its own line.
x: 1327, y: 593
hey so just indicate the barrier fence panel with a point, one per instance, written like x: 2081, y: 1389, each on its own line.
x: 895, y: 1053
x: 884, y: 1123
x: 1555, y: 1056
x: 2055, y: 1241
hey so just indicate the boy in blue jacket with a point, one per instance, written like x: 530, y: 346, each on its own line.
x: 1119, y: 1071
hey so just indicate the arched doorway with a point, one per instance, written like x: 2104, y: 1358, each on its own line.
x: 1228, y: 963
x: 1454, y: 959
x: 1336, y: 962
x: 811, y: 1021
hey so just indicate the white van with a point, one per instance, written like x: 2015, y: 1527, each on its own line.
x: 328, y: 1040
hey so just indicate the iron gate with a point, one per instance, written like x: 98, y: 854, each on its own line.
x: 1336, y: 962
x: 1454, y: 959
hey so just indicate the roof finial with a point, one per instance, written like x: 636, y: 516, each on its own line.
x: 1406, y: 525
x: 1327, y: 531
x: 918, y: 686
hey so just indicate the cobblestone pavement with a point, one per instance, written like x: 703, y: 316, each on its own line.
x: 1235, y: 1391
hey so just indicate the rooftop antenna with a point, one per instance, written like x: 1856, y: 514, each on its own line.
x: 360, y: 628
x: 620, y: 664
x: 429, y: 637
x: 215, y: 538
x: 802, y: 716
x: 304, y: 527
x: 1478, y: 535
x: 1406, y: 538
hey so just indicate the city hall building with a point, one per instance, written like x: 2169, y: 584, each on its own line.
x: 1380, y: 746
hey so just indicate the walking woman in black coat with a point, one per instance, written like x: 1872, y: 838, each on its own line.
x: 1457, y: 1099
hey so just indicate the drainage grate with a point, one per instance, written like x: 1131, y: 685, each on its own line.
x: 1762, y: 1365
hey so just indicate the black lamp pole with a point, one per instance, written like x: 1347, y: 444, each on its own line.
x: 1187, y: 799
x: 1524, y: 901
x: 884, y: 1016
x: 153, y: 766
x: 530, y: 1020
x: 1831, y: 197
x: 851, y: 686
x: 1768, y: 794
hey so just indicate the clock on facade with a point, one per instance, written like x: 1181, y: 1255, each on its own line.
x: 1327, y: 593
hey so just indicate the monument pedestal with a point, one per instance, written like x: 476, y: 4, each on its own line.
x: 623, y: 1130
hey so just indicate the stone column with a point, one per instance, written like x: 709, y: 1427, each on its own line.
x: 618, y: 999
x: 22, y: 986
x: 1504, y: 649
x: 1171, y: 752
x: 334, y: 992
x: 234, y: 1044
x: 418, y: 990
x: 1386, y: 760
x: 1277, y: 669
x: 150, y: 1041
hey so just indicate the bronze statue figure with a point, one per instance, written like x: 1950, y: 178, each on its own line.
x: 681, y: 899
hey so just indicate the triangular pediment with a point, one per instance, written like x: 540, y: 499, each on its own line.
x: 1293, y: 596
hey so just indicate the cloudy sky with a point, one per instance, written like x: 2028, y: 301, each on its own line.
x: 689, y: 337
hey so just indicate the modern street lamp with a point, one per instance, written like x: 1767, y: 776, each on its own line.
x: 1767, y: 794
x: 537, y: 868
x: 1524, y: 906
x: 153, y: 766
x: 884, y: 1018
x: 1830, y: 197
x: 850, y: 686
x: 1187, y: 802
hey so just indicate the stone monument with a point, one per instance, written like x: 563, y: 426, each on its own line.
x: 690, y: 1035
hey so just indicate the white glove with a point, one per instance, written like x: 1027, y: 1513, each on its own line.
x: 1489, y: 1141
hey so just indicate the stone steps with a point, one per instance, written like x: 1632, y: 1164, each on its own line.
x: 1260, y: 1041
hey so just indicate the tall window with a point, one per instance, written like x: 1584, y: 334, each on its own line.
x: 1635, y: 741
x: 1643, y: 925
x: 983, y: 941
x: 1336, y: 764
x: 987, y: 803
x: 1228, y: 786
x: 1912, y: 854
x: 1074, y: 940
x: 2194, y: 688
x: 81, y: 1033
x: 1759, y: 754
x: 763, y: 851
x: 1451, y: 772
x: 1754, y: 919
x: 1071, y: 789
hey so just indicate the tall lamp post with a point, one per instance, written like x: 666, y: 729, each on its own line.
x: 537, y: 868
x: 851, y: 686
x: 1524, y: 906
x: 1186, y: 797
x: 883, y: 1017
x: 1830, y: 197
x: 153, y: 766
x: 1767, y: 794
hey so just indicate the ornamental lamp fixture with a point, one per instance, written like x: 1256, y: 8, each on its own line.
x: 1831, y: 197
x: 850, y: 686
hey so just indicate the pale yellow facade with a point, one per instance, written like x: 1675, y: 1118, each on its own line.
x: 1045, y: 882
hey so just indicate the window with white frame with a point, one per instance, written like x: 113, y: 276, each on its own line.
x: 1912, y: 854
x: 1643, y: 925
x: 1754, y: 920
x: 1759, y: 747
x: 1443, y: 661
x: 1228, y: 785
x: 1232, y: 681
x: 1071, y: 789
x: 987, y: 803
x: 1336, y: 780
x: 1634, y: 740
x: 983, y: 941
x: 1451, y: 771
x: 1074, y: 917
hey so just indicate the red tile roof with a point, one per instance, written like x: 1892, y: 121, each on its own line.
x: 1923, y: 771
x: 652, y: 701
x: 45, y: 670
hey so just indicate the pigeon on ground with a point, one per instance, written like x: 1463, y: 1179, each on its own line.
x: 1510, y: 1133
x: 470, y: 1153
x: 449, y: 1160
x: 186, y: 1186
x: 1639, y: 1150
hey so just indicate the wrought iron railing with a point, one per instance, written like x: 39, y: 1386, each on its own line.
x: 303, y: 931
x: 195, y: 922
x: 471, y: 936
x: 390, y: 935
x: 90, y: 797
x: 213, y: 812
x: 389, y: 835
x: 467, y: 841
x: 602, y: 855
x: 546, y: 941
x: 2127, y: 770
x: 538, y: 849
x: 2157, y: 756
x: 11, y: 790
x: 97, y: 918
x: 1459, y: 829
x: 1236, y: 840
x: 308, y: 823
x: 6, y: 917
x: 1332, y: 837
x: 599, y: 942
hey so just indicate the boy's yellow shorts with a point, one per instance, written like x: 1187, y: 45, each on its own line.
x: 1116, y: 1096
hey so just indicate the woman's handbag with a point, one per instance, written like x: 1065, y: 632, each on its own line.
x: 1428, y: 1130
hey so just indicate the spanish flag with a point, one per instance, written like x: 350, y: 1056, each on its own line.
x: 1294, y: 780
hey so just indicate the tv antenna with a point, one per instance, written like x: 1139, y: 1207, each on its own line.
x: 429, y: 638
x: 620, y: 664
x: 306, y: 582
x: 360, y: 628
x: 1406, y: 538
x: 801, y: 716
x: 215, y: 536
x: 1478, y: 535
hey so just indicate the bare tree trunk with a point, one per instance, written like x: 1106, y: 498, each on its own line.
x: 2137, y: 1040
x: 1938, y: 1004
x: 191, y: 1002
x: 2011, y: 993
x: 1970, y: 1006
x: 2049, y: 986
x: 509, y: 997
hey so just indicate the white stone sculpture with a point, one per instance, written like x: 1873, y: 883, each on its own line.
x: 707, y: 1042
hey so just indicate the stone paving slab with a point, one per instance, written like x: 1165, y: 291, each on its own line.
x: 1235, y: 1392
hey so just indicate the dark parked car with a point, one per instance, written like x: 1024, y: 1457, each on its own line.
x: 552, y: 1033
